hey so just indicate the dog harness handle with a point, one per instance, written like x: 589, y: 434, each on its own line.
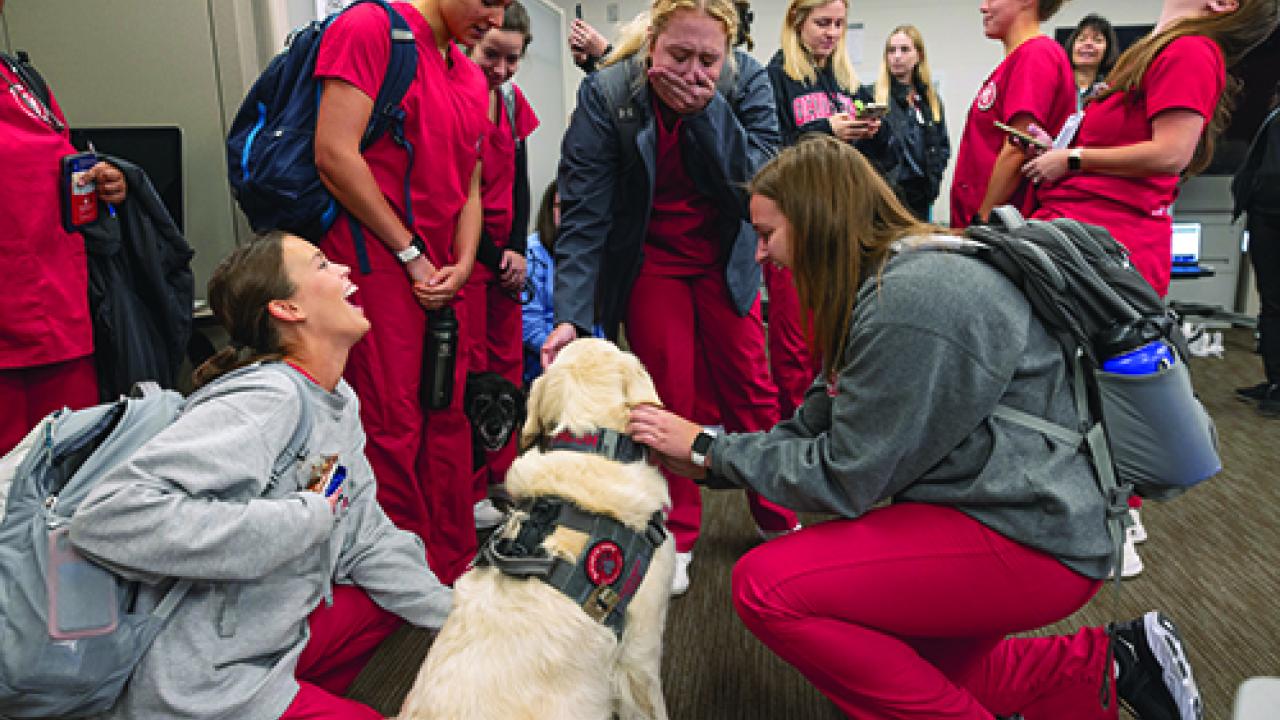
x: 602, y: 580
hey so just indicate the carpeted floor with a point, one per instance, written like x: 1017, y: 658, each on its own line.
x: 1211, y: 563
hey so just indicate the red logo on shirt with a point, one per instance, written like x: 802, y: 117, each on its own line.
x: 987, y: 96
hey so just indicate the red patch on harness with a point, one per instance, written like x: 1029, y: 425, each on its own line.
x: 604, y: 563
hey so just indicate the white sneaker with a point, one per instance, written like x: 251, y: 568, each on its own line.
x: 1131, y: 564
x: 487, y: 515
x: 767, y: 535
x: 680, y: 581
x: 1135, y: 533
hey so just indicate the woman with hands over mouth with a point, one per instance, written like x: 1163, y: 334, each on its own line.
x: 904, y: 610
x: 672, y: 259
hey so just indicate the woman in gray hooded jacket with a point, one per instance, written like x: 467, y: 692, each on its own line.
x: 955, y: 529
x: 296, y: 581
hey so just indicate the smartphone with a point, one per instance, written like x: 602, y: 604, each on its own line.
x: 1023, y: 136
x: 873, y: 111
x: 577, y: 11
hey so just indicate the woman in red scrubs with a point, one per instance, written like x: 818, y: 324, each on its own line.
x: 1033, y: 84
x: 46, y: 338
x: 422, y: 458
x: 1157, y: 120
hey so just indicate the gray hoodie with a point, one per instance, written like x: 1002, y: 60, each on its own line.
x: 933, y: 347
x: 193, y: 503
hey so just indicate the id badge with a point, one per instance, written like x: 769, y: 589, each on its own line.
x: 79, y: 201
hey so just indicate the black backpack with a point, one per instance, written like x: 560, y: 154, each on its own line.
x: 1145, y: 433
x: 271, y: 144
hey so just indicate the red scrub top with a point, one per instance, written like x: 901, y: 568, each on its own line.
x: 447, y: 119
x: 498, y: 174
x: 681, y: 238
x: 1189, y: 74
x: 44, y: 309
x: 1035, y: 79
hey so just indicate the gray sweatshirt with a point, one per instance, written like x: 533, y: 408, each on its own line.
x: 933, y: 347
x: 191, y: 504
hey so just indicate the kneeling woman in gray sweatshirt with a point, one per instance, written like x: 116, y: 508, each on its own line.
x: 294, y: 588
x: 904, y: 610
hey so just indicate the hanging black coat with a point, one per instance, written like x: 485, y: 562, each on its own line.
x: 140, y: 289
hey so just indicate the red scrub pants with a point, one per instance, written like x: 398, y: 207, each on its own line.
x: 904, y: 612
x: 668, y: 319
x: 793, y: 365
x: 496, y: 346
x: 421, y: 458
x: 343, y: 637
x: 28, y: 394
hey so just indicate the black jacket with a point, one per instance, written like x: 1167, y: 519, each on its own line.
x: 1256, y: 187
x: 923, y: 148
x: 793, y: 121
x: 140, y: 289
x: 606, y: 181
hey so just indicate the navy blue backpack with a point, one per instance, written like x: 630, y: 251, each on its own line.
x: 271, y: 144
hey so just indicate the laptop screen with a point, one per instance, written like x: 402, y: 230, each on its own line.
x: 1186, y: 243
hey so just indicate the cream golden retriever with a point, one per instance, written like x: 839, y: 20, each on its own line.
x: 518, y: 649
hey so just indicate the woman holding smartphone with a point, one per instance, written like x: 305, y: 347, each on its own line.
x: 1034, y: 84
x: 816, y: 91
x: 1167, y: 101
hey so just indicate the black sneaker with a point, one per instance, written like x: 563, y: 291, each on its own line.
x: 1254, y: 393
x: 1154, y: 677
x: 1270, y: 405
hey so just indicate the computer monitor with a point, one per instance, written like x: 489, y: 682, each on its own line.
x: 155, y: 149
x: 1186, y: 243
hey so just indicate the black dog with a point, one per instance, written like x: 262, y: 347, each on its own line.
x: 496, y: 408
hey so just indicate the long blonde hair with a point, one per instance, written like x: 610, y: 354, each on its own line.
x: 634, y: 38
x: 796, y: 60
x: 1235, y: 33
x: 843, y: 219
x: 921, y: 75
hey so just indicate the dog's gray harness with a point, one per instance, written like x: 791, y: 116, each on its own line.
x: 604, y: 578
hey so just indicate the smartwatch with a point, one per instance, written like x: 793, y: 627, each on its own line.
x: 1075, y: 159
x: 701, y: 446
x: 416, y: 249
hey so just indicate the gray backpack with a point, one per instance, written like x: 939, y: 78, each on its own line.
x: 1147, y: 433
x: 70, y: 635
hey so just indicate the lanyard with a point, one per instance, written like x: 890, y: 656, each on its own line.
x: 22, y: 92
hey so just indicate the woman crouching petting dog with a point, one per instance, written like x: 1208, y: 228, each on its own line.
x: 295, y: 581
x: 902, y: 611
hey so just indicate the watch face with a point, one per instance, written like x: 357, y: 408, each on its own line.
x: 702, y: 443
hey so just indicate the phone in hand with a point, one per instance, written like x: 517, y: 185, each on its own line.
x: 1021, y: 136
x: 577, y: 11
x: 873, y: 111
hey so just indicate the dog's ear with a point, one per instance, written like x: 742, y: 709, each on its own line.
x: 533, y: 427
x: 639, y: 388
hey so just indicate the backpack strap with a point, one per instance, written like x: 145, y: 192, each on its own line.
x: 388, y: 115
x: 1094, y: 437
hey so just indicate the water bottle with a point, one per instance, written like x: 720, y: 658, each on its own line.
x: 439, y: 358
x: 1145, y: 360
